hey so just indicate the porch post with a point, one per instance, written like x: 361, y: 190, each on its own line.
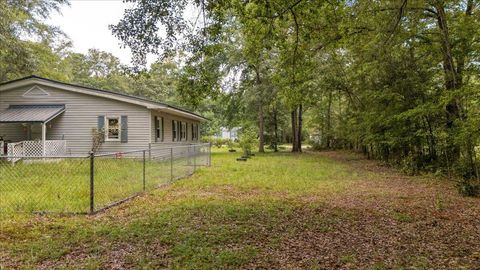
x: 44, y: 137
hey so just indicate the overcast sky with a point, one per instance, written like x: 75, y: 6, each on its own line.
x: 86, y: 23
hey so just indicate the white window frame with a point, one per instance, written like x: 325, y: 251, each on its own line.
x: 183, y: 131
x: 107, y: 128
x: 159, y: 131
x: 195, y: 132
x: 175, y: 129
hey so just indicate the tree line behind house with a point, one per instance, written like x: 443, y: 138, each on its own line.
x: 397, y: 80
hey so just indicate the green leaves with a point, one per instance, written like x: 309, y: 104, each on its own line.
x: 22, y: 56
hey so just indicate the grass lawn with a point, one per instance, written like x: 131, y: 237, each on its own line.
x: 278, y: 210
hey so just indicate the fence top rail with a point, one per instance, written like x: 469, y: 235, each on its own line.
x: 120, y: 153
x: 46, y: 157
x: 157, y: 146
x: 146, y: 150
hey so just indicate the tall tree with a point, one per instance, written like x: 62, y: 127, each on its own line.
x: 28, y: 43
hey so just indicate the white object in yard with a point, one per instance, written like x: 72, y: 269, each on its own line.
x: 226, y: 133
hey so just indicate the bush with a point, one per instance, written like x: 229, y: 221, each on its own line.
x: 206, y: 139
x: 219, y: 142
x: 248, y: 140
x: 315, y: 146
x: 230, y: 144
x: 468, y: 187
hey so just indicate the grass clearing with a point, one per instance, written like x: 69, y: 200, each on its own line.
x: 278, y: 210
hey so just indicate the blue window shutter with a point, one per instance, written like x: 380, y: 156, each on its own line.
x: 163, y: 127
x: 173, y: 131
x: 156, y: 129
x: 124, y: 129
x: 179, y: 131
x: 101, y: 125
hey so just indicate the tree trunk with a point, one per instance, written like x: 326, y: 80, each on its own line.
x: 299, y: 129
x: 261, y: 124
x: 431, y: 140
x: 452, y: 80
x: 294, y: 131
x: 464, y: 48
x: 329, y: 121
x: 275, y: 143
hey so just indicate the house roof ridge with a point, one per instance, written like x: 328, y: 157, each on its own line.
x: 175, y: 107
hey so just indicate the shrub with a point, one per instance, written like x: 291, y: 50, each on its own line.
x: 469, y: 187
x: 248, y: 140
x: 219, y: 142
x: 316, y: 146
x: 98, y: 137
x: 206, y: 139
x: 230, y: 143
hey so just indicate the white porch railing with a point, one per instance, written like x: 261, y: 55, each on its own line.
x: 35, y: 149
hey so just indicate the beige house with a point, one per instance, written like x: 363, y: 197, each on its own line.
x: 40, y: 116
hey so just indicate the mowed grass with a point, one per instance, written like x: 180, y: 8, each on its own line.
x: 63, y: 185
x: 276, y: 211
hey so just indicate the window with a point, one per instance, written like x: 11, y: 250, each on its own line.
x: 183, y: 131
x: 174, y: 130
x: 158, y: 129
x: 179, y: 130
x: 113, y: 129
x: 194, y: 132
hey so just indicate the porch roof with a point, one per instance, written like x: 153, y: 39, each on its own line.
x: 31, y: 113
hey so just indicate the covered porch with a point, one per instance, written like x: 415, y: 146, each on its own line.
x: 29, y: 123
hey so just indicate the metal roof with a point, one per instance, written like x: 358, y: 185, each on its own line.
x: 31, y: 113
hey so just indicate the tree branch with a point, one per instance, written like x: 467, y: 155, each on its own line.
x: 397, y: 21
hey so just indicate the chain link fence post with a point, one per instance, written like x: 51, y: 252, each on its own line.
x: 144, y: 165
x: 92, y: 182
x: 209, y: 154
x: 171, y: 164
x: 150, y: 151
x: 194, y: 159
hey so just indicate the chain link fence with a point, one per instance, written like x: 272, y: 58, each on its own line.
x: 87, y: 184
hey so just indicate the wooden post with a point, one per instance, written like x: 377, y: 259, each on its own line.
x: 44, y: 138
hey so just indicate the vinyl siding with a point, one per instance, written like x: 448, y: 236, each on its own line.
x: 167, y: 121
x: 80, y: 117
x: 12, y: 132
